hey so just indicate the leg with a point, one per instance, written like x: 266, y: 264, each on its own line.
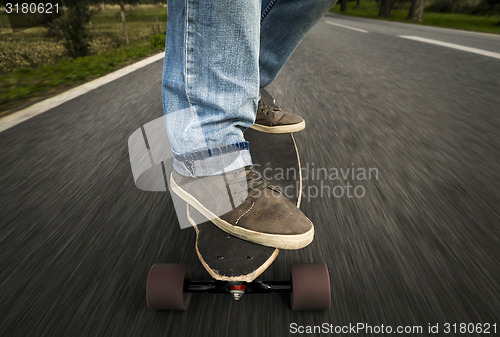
x: 210, y: 82
x: 210, y: 94
x: 284, y: 24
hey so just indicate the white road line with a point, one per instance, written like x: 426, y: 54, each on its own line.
x: 45, y: 105
x: 348, y: 27
x: 453, y: 46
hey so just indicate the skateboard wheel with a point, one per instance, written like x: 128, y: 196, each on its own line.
x: 310, y: 287
x: 165, y: 287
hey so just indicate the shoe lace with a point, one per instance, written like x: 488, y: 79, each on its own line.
x: 268, y: 109
x: 253, y: 183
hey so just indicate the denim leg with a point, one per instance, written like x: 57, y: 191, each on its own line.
x: 210, y: 84
x: 283, y: 25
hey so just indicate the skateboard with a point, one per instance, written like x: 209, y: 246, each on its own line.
x: 235, y: 264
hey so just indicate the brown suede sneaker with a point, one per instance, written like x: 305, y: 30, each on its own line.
x: 272, y: 119
x: 244, y: 204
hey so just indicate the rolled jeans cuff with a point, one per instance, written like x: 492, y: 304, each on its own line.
x: 213, y: 161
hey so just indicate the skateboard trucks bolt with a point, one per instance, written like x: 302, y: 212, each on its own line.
x: 237, y: 290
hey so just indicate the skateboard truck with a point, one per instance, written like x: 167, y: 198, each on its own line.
x: 170, y: 287
x: 237, y: 289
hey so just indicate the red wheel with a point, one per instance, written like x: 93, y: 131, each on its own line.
x: 165, y: 287
x: 310, y: 287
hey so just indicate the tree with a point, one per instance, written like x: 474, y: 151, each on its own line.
x: 493, y: 7
x: 343, y: 5
x: 124, y: 22
x: 385, y: 8
x: 72, y: 28
x: 416, y: 12
x: 123, y: 16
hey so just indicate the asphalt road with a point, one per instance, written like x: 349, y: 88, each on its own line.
x: 421, y: 246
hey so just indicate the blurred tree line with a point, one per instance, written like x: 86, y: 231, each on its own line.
x: 72, y: 28
x: 416, y: 9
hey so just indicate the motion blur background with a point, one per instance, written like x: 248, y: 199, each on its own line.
x: 421, y: 246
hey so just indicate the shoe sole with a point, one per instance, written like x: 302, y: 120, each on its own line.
x: 280, y: 128
x: 281, y: 241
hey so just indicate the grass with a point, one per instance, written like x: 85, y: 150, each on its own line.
x: 33, y: 66
x: 21, y: 85
x: 370, y: 9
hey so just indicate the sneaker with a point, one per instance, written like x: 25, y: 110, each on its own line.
x: 244, y: 204
x: 272, y: 119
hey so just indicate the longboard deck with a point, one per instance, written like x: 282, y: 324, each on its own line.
x: 228, y: 258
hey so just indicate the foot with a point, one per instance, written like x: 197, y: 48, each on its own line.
x: 244, y: 204
x: 272, y: 119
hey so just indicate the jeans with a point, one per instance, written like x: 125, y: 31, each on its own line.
x: 217, y: 55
